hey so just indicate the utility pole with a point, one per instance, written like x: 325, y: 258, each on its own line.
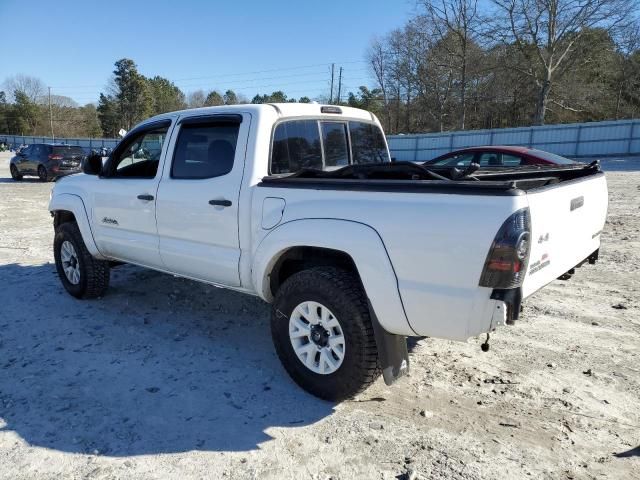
x: 339, y: 84
x: 53, y: 138
x: 333, y: 65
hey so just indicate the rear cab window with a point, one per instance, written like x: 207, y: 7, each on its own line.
x: 325, y: 145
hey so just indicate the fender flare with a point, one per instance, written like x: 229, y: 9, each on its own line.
x: 74, y: 204
x: 358, y: 240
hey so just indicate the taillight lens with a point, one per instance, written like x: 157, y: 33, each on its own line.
x: 53, y: 156
x: 506, y: 263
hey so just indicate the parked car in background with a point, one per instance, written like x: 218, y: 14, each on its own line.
x: 498, y: 156
x: 47, y: 161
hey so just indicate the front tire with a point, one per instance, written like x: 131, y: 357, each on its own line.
x: 15, y: 174
x: 322, y: 333
x: 81, y: 275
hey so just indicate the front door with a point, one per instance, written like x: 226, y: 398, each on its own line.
x: 124, y: 198
x: 23, y: 160
x: 197, y: 207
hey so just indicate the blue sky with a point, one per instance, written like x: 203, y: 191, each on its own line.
x: 72, y: 44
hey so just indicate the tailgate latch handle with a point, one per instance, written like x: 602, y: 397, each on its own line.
x: 577, y: 203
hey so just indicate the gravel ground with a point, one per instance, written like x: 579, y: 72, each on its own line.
x: 167, y: 378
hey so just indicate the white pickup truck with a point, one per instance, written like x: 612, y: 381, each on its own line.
x: 301, y: 205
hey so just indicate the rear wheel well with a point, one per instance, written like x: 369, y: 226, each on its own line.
x: 63, y: 216
x: 297, y: 259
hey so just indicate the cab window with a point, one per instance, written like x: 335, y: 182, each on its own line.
x: 296, y: 145
x: 205, y: 151
x: 334, y: 142
x: 139, y: 157
x: 367, y: 143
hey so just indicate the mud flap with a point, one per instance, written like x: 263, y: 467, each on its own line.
x: 392, y: 351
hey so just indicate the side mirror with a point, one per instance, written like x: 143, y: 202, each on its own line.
x: 92, y: 164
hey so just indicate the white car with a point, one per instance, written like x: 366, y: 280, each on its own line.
x: 300, y: 205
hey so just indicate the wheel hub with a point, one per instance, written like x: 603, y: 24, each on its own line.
x: 70, y: 264
x: 317, y: 337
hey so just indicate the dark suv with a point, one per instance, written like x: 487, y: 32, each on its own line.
x: 47, y: 161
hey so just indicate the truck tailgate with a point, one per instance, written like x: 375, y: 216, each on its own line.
x: 566, y: 222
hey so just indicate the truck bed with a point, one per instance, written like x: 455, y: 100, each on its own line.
x: 437, y: 232
x: 411, y: 177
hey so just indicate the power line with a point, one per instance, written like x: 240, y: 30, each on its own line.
x: 224, y: 75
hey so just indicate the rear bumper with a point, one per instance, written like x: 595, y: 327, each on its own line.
x: 63, y: 172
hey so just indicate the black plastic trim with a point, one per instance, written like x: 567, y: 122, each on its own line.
x: 393, y: 354
x: 409, y: 186
x: 235, y: 118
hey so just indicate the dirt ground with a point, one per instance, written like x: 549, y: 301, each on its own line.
x: 167, y: 378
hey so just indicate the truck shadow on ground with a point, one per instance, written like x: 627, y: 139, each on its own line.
x: 159, y: 365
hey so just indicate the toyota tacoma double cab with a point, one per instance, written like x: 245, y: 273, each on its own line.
x: 301, y: 205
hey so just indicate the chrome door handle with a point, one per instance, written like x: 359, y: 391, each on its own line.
x: 145, y: 197
x: 220, y: 203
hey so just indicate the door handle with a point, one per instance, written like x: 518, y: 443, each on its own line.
x: 220, y: 203
x: 145, y: 197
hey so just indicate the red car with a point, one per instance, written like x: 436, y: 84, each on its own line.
x: 498, y: 156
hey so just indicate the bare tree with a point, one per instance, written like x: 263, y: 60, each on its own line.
x: 460, y: 20
x: 378, y: 59
x: 32, y: 87
x: 628, y: 67
x: 196, y: 99
x: 546, y: 32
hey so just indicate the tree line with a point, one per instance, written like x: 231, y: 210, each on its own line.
x: 129, y: 98
x: 456, y: 66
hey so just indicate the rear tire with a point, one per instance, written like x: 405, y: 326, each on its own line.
x: 42, y: 174
x: 341, y: 294
x: 81, y: 275
x: 15, y: 174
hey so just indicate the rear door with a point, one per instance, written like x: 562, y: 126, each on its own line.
x: 197, y: 209
x: 566, y: 222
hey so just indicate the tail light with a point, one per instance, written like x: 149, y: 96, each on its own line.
x: 54, y: 156
x: 506, y: 263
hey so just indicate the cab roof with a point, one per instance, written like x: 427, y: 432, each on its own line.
x: 282, y: 110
